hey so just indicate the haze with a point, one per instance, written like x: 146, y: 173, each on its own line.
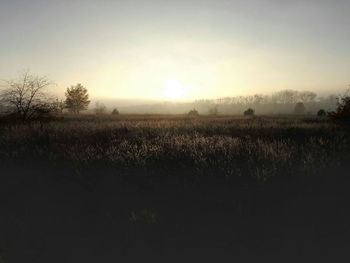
x: 178, y: 50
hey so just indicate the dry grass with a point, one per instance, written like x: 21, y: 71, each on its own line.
x: 226, y: 147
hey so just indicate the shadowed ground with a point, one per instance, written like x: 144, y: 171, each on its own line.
x: 54, y: 221
x: 174, y: 191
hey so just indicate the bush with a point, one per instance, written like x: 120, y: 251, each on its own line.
x: 342, y: 113
x: 115, y: 111
x: 193, y: 113
x: 321, y: 113
x: 299, y: 108
x: 249, y: 112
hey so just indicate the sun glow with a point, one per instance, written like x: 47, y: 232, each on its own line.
x: 174, y: 90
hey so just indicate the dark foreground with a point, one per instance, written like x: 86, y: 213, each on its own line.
x: 172, y: 209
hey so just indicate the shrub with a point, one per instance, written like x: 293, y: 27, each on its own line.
x: 299, y: 108
x: 193, y: 113
x: 249, y: 112
x: 321, y: 113
x: 115, y: 111
x: 342, y: 113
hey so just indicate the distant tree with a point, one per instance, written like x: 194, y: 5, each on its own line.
x: 59, y: 105
x: 307, y: 96
x: 321, y: 113
x: 213, y: 111
x: 193, y: 113
x: 249, y: 112
x: 342, y: 113
x: 115, y: 111
x: 299, y: 108
x: 100, y: 108
x: 286, y: 96
x: 27, y: 96
x: 258, y: 99
x: 77, y: 99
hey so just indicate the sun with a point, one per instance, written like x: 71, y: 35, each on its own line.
x: 174, y: 90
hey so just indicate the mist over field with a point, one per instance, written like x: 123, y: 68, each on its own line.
x: 282, y: 102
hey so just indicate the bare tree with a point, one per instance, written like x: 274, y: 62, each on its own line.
x: 286, y: 96
x: 77, y: 99
x: 27, y: 96
x: 307, y: 96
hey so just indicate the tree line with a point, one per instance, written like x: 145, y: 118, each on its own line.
x: 282, y: 102
x: 287, y: 96
x: 27, y: 97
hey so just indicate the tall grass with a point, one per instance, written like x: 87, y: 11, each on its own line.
x: 221, y: 147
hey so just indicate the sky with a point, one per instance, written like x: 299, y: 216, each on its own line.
x: 178, y: 50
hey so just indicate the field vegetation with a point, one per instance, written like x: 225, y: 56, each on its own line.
x: 229, y: 148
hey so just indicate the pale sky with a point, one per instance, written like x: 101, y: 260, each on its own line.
x: 184, y: 49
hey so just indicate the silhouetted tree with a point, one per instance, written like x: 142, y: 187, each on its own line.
x: 299, y: 108
x: 342, y: 113
x: 286, y: 96
x: 307, y: 96
x: 321, y: 113
x: 115, y: 111
x: 27, y: 96
x: 249, y: 112
x: 193, y: 113
x: 77, y: 99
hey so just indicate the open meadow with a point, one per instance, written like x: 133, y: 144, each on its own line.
x: 173, y: 188
x: 174, y: 131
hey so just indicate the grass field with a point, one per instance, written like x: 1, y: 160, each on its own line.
x: 225, y: 147
x: 173, y: 188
